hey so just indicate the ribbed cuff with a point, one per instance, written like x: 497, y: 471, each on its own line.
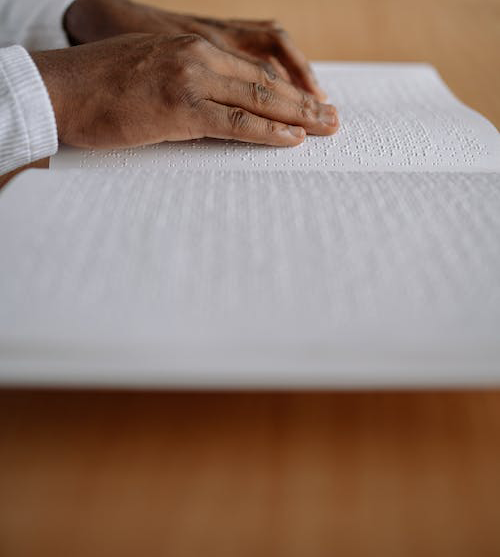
x: 28, y: 128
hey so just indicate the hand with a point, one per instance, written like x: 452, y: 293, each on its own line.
x: 261, y: 42
x: 140, y: 89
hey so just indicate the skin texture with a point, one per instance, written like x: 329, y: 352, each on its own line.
x: 140, y: 89
x: 265, y: 43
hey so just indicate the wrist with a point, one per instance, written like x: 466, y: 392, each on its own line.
x: 51, y: 72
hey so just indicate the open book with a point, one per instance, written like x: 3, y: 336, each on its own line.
x: 393, y: 117
x: 371, y: 258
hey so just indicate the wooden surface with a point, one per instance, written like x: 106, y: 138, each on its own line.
x: 249, y: 475
x: 304, y: 474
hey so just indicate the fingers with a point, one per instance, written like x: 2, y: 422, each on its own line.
x: 233, y: 66
x: 236, y: 82
x: 271, y: 64
x: 261, y: 100
x: 224, y: 122
x: 268, y: 39
x: 279, y: 68
x: 296, y: 64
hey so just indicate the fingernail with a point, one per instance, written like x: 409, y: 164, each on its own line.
x: 296, y: 131
x: 329, y: 117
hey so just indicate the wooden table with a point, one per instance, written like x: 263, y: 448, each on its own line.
x: 256, y: 474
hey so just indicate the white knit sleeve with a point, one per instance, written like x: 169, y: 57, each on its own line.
x: 34, y: 24
x: 28, y: 128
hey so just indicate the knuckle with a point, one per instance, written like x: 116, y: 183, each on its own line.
x: 268, y: 75
x: 190, y: 98
x: 273, y: 127
x: 238, y: 119
x: 277, y: 28
x: 183, y: 84
x: 181, y: 95
x: 192, y: 42
x: 260, y: 94
x: 308, y: 107
x: 186, y: 72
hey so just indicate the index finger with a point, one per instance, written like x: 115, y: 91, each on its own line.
x: 296, y: 64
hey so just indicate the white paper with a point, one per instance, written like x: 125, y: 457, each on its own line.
x: 393, y: 117
x: 247, y: 278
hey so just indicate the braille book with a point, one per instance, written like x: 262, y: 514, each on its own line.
x: 369, y: 258
x: 393, y: 117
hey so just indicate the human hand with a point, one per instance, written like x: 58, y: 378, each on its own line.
x: 261, y: 42
x: 140, y: 89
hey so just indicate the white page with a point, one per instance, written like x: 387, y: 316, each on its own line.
x: 393, y: 117
x: 245, y: 278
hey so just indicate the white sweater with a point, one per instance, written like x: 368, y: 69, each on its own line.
x: 27, y: 124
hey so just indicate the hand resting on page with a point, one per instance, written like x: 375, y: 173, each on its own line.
x: 142, y: 88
